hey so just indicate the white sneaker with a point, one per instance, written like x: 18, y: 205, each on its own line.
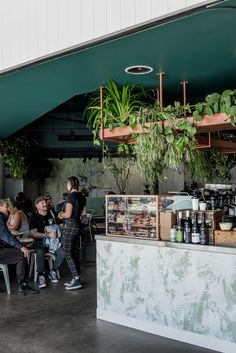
x: 41, y: 282
x: 53, y: 277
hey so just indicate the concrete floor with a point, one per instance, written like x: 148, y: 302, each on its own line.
x: 57, y: 321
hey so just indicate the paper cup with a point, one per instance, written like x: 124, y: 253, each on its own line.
x: 195, y: 204
x: 202, y: 206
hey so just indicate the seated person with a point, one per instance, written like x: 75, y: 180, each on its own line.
x: 38, y: 223
x: 12, y: 252
x: 25, y: 204
x: 144, y: 217
x: 17, y: 222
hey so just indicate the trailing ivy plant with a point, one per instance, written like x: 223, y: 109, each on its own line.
x: 217, y: 103
x: 119, y: 107
x: 165, y: 146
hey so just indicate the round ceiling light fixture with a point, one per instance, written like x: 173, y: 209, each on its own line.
x: 138, y: 70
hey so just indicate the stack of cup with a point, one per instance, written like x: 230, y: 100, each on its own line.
x: 195, y: 203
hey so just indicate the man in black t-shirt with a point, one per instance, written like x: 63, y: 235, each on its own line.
x: 38, y: 223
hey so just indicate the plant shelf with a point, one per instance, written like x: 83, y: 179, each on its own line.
x: 209, y: 123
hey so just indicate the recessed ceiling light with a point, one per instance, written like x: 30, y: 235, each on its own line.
x: 138, y: 70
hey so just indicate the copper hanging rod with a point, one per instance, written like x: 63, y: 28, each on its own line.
x: 161, y: 88
x: 184, y: 83
x: 101, y: 113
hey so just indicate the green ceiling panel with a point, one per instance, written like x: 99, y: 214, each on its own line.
x: 200, y: 48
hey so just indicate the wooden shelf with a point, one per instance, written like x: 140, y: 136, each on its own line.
x: 209, y: 123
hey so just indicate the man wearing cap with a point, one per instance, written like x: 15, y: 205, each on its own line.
x: 12, y: 252
x: 38, y: 223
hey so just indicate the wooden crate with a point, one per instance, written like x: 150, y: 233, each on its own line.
x: 167, y: 220
x: 225, y: 237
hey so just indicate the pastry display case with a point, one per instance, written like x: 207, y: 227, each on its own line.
x: 134, y: 216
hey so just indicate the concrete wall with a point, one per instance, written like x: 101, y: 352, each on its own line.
x: 30, y: 29
x: 91, y: 175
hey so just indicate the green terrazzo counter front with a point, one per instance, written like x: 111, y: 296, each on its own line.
x: 182, y: 291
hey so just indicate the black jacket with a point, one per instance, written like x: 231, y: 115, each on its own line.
x: 6, y: 238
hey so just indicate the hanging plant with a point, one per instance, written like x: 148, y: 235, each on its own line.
x: 217, y: 103
x: 14, y: 151
x: 166, y: 144
x: 119, y: 107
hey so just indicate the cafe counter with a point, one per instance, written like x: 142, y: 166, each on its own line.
x: 184, y: 292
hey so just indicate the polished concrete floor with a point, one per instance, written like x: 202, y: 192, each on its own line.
x: 57, y: 321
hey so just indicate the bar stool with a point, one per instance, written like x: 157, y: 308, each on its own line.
x: 33, y: 264
x: 4, y: 269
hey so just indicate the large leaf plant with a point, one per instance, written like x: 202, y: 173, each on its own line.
x: 120, y: 104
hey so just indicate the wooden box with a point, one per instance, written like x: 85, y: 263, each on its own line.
x: 225, y: 237
x: 167, y: 220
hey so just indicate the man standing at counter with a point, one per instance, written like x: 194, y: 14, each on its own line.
x: 12, y: 252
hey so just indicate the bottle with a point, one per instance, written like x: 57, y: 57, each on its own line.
x: 173, y: 234
x: 195, y: 230
x: 204, y: 231
x: 179, y: 229
x: 187, y: 228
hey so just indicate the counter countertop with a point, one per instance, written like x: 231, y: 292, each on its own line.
x: 167, y: 244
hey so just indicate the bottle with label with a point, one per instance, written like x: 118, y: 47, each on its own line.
x: 188, y: 228
x: 179, y: 229
x: 204, y: 231
x: 173, y: 234
x: 195, y: 230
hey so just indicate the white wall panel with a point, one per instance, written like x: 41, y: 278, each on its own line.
x: 113, y: 15
x: 128, y: 13
x: 174, y: 5
x: 143, y: 10
x: 100, y: 18
x: 30, y: 29
x: 159, y: 8
x: 87, y: 20
x: 75, y: 22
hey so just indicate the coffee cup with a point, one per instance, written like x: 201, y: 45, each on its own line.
x: 202, y: 206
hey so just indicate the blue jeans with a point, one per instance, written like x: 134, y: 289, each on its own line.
x: 41, y: 250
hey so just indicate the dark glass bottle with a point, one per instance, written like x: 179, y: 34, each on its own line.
x: 179, y: 229
x: 187, y: 228
x: 204, y: 231
x: 195, y: 230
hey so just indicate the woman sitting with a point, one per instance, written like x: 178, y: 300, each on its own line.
x: 17, y: 222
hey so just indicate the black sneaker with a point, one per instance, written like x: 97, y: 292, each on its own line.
x: 74, y: 284
x: 25, y: 289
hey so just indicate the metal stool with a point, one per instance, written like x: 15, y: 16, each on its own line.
x: 4, y: 269
x: 33, y: 264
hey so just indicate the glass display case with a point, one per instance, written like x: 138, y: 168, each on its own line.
x: 134, y: 216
